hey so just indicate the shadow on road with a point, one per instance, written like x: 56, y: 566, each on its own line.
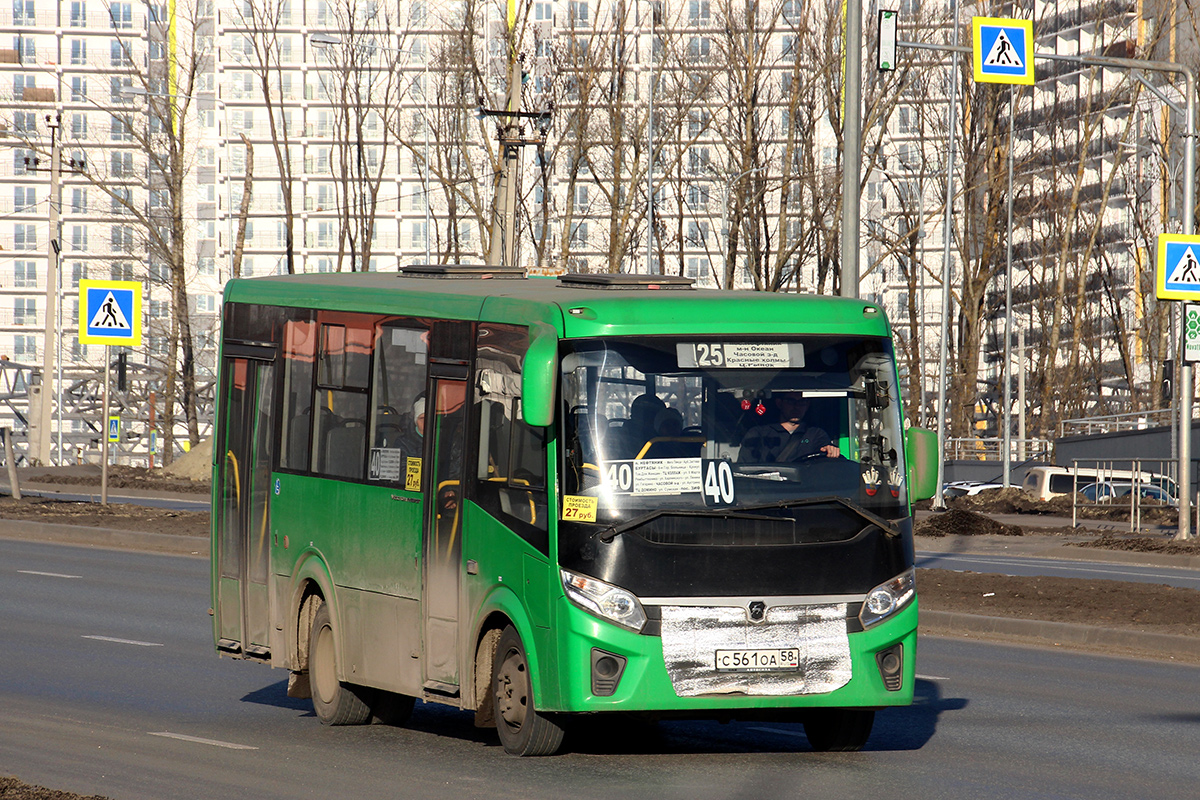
x: 895, y: 728
x: 275, y: 694
x: 910, y: 728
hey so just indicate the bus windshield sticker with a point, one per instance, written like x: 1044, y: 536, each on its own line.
x: 579, y: 509
x: 740, y: 355
x: 385, y: 464
x: 670, y: 476
x: 718, y: 483
x: 412, y: 474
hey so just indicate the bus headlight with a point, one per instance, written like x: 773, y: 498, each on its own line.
x: 888, y: 598
x: 604, y: 600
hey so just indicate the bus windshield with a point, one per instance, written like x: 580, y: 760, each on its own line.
x: 663, y: 424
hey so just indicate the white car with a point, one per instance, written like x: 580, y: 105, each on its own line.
x: 966, y: 488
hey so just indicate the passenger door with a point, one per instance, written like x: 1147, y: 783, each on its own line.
x: 446, y: 432
x: 244, y: 450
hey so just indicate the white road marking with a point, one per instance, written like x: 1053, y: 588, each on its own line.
x: 47, y: 574
x: 776, y: 730
x: 124, y: 641
x: 930, y: 678
x: 198, y: 740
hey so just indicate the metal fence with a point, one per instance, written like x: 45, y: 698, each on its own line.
x: 1109, y: 478
x: 991, y: 448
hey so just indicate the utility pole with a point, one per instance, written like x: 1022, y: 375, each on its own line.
x: 503, y: 250
x: 852, y: 148
x: 40, y: 446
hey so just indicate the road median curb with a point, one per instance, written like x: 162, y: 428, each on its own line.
x: 1062, y: 633
x: 111, y: 538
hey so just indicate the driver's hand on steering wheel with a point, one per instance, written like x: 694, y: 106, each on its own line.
x: 830, y: 450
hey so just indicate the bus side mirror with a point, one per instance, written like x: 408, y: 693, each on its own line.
x: 539, y: 376
x: 921, y: 455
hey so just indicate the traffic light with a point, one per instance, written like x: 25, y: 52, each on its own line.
x: 1168, y: 381
x: 122, y: 371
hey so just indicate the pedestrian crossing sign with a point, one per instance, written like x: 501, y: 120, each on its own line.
x: 1178, y: 272
x: 110, y: 312
x: 1002, y: 50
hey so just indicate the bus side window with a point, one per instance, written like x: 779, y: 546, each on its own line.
x: 511, y: 466
x: 340, y: 403
x: 398, y: 400
x: 299, y: 360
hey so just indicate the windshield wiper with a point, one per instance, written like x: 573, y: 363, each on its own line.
x: 613, y: 531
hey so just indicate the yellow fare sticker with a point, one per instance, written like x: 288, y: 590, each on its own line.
x: 412, y: 475
x: 579, y: 509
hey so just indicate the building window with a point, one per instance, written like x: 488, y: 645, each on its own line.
x: 122, y: 238
x: 206, y: 304
x: 206, y: 265
x: 25, y: 347
x: 78, y: 273
x: 119, y: 53
x: 122, y: 165
x: 24, y: 236
x: 121, y: 15
x: 24, y: 198
x: 578, y: 13
x: 697, y: 233
x: 698, y: 11
x: 24, y: 274
x: 24, y: 311
x: 121, y: 271
x: 78, y: 14
x: 120, y: 131
x: 79, y: 204
x: 23, y: 12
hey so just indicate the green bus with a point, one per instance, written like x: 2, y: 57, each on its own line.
x: 541, y: 499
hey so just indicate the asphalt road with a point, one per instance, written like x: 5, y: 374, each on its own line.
x: 1029, y: 566
x: 109, y: 684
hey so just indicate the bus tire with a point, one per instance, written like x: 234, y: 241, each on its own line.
x: 334, y: 702
x: 523, y: 730
x: 838, y: 729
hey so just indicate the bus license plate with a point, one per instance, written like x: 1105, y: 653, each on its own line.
x: 787, y: 658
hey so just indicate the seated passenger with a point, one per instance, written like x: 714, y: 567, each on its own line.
x: 788, y: 440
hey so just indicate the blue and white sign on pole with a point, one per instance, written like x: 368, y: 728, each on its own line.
x: 110, y: 312
x: 1002, y: 50
x: 1178, y: 267
x: 114, y: 430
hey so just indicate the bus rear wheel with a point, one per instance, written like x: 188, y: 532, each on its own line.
x: 523, y: 730
x: 838, y: 729
x: 335, y: 703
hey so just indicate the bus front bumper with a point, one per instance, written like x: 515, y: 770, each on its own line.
x: 612, y: 669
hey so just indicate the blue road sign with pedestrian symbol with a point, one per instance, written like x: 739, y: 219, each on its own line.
x: 1002, y: 50
x: 110, y: 312
x: 114, y: 430
x: 1178, y: 272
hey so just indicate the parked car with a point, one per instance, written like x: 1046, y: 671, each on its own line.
x: 1108, y: 491
x: 1044, y: 482
x: 964, y: 488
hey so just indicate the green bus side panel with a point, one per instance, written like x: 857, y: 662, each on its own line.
x: 369, y: 538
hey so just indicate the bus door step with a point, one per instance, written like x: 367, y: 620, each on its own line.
x: 437, y: 690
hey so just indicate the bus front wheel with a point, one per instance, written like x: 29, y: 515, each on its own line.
x: 334, y: 702
x: 523, y: 730
x: 838, y: 729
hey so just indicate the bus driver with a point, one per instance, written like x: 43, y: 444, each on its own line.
x: 788, y: 440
